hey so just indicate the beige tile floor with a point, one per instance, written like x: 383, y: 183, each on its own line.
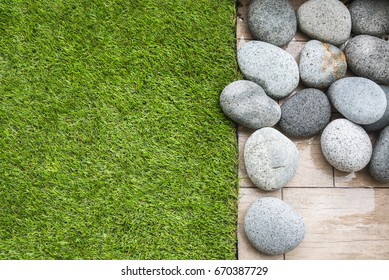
x: 346, y: 214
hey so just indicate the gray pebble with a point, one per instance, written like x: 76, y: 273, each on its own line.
x: 379, y: 164
x: 275, y: 70
x: 370, y: 17
x: 305, y: 114
x: 272, y: 21
x: 384, y: 121
x: 321, y: 64
x: 273, y: 227
x: 271, y: 159
x: 247, y: 104
x: 358, y: 99
x: 328, y: 21
x: 368, y: 57
x: 346, y: 145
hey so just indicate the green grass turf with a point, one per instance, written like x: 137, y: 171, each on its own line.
x: 112, y: 142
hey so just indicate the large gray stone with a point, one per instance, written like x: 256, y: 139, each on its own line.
x: 321, y: 64
x: 368, y: 57
x: 272, y: 21
x: 384, y: 121
x: 247, y: 104
x: 271, y: 159
x: 346, y: 145
x: 370, y: 17
x: 275, y: 70
x: 379, y: 164
x: 273, y: 227
x: 305, y: 114
x: 358, y: 99
x: 328, y: 21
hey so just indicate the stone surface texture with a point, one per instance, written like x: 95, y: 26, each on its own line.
x: 379, y: 164
x: 273, y: 227
x: 384, y: 121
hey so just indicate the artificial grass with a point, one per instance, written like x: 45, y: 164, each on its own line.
x: 112, y: 144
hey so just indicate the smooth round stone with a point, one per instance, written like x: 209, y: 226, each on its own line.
x: 346, y: 145
x: 379, y: 164
x: 271, y: 159
x: 358, y: 99
x: 272, y: 21
x: 368, y: 57
x: 384, y: 121
x: 370, y: 17
x: 247, y: 104
x: 321, y: 64
x: 305, y: 114
x: 271, y: 67
x: 328, y: 21
x: 273, y: 227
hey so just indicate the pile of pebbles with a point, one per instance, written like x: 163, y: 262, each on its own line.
x: 342, y: 37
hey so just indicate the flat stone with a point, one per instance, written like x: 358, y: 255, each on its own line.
x: 370, y: 17
x: 275, y: 70
x: 273, y: 227
x: 327, y: 21
x: 321, y: 64
x: 346, y: 145
x: 358, y: 99
x: 305, y: 114
x: 272, y: 21
x: 379, y: 164
x: 384, y: 121
x: 247, y: 104
x: 271, y: 159
x: 368, y: 57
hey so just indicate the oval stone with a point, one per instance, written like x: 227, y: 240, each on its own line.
x: 275, y: 70
x: 384, y: 121
x: 370, y: 17
x: 272, y: 21
x: 273, y: 227
x: 368, y: 57
x: 271, y: 159
x: 328, y: 21
x: 321, y: 64
x: 346, y: 145
x: 247, y: 104
x: 379, y: 164
x: 358, y: 99
x: 305, y: 114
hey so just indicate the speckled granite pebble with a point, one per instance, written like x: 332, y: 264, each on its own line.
x: 272, y: 21
x: 328, y: 21
x: 368, y: 57
x: 271, y: 159
x: 346, y: 145
x: 358, y: 99
x: 384, y: 121
x: 247, y: 104
x: 273, y: 227
x: 321, y: 64
x: 275, y: 70
x: 305, y: 114
x: 379, y: 164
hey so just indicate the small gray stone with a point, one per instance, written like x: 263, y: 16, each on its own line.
x: 368, y: 57
x: 379, y: 164
x: 305, y: 114
x: 384, y: 121
x: 271, y: 158
x: 346, y: 145
x: 328, y: 21
x: 247, y: 104
x: 273, y: 227
x: 272, y: 21
x: 321, y: 64
x: 370, y: 17
x: 358, y: 99
x: 271, y: 67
